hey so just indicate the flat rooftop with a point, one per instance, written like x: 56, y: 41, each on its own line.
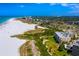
x: 63, y: 34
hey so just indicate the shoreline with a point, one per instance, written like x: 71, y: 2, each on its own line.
x: 9, y: 45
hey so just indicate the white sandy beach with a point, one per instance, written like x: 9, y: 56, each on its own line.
x: 8, y: 45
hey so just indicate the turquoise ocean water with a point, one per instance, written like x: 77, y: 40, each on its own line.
x: 4, y: 19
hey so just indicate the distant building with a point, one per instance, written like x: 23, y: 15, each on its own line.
x: 76, y: 22
x: 72, y: 22
x: 36, y: 27
x: 63, y: 36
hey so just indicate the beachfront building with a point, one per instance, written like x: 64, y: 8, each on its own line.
x: 75, y: 50
x: 73, y: 47
x: 63, y: 36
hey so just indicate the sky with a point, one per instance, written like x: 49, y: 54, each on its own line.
x: 39, y: 9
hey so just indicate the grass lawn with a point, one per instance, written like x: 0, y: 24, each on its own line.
x: 49, y: 48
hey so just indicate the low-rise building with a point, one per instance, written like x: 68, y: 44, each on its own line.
x: 73, y: 47
x: 63, y: 36
x: 75, y: 50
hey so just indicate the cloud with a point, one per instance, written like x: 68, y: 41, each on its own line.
x: 73, y: 6
x: 64, y: 4
x: 74, y: 9
x: 21, y: 6
x: 70, y: 5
